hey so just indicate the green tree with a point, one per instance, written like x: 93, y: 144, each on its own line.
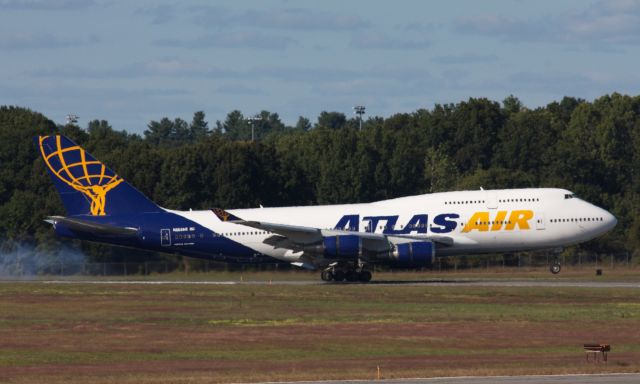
x: 440, y: 172
x: 199, y: 127
x: 303, y: 124
x: 160, y: 132
x: 476, y: 123
x: 592, y: 148
x: 511, y: 105
x: 331, y: 120
x: 235, y: 126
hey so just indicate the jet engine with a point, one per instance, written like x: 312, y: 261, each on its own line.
x: 337, y: 247
x: 416, y: 253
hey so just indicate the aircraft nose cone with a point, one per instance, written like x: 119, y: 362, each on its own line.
x: 610, y: 221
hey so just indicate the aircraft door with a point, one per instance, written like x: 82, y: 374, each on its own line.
x: 540, y: 223
x: 492, y: 200
x: 165, y: 237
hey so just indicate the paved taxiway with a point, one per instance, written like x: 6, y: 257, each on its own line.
x: 621, y: 378
x: 448, y: 283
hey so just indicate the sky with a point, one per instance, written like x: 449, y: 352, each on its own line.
x: 130, y: 62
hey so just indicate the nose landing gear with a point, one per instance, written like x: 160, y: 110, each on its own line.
x: 555, y: 267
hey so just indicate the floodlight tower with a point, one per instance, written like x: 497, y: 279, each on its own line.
x: 72, y: 119
x: 253, y: 121
x: 359, y: 110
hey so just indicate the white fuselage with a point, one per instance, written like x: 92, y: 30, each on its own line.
x: 481, y: 221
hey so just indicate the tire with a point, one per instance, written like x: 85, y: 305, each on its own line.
x: 365, y: 276
x: 352, y: 276
x: 338, y: 276
x: 555, y: 268
x: 326, y: 276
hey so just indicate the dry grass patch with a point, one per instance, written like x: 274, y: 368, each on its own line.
x: 210, y: 333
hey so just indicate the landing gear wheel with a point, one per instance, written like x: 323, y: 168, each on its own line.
x: 326, y: 276
x: 338, y: 276
x: 365, y: 276
x: 555, y: 268
x: 352, y: 276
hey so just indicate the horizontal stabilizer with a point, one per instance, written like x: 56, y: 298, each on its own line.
x: 93, y: 228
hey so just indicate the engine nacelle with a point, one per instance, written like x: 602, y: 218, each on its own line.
x: 338, y: 247
x: 344, y: 246
x: 416, y: 253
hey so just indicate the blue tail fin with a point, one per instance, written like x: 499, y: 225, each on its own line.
x: 86, y: 186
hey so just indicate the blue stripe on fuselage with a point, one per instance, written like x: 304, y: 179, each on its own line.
x: 186, y: 236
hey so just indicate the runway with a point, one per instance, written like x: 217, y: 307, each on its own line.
x: 532, y: 283
x: 614, y: 378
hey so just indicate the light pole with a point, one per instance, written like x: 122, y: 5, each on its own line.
x: 359, y: 110
x: 253, y: 120
x: 72, y: 119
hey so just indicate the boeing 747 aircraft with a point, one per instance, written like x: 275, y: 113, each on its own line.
x: 342, y: 241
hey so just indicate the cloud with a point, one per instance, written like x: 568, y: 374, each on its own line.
x: 166, y: 67
x: 178, y: 68
x: 172, y: 67
x: 509, y: 28
x: 288, y: 19
x: 376, y: 40
x: 25, y: 41
x: 602, y: 23
x: 390, y: 81
x: 285, y: 19
x: 303, y: 74
x: 159, y: 14
x: 400, y: 73
x: 552, y: 82
x: 45, y: 5
x: 302, y: 19
x: 464, y: 58
x: 50, y: 89
x: 453, y: 77
x: 585, y: 84
x: 614, y: 22
x: 314, y: 75
x: 239, y: 89
x: 419, y: 26
x: 233, y: 39
x: 128, y: 107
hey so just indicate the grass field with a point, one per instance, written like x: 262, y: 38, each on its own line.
x: 569, y: 273
x: 128, y: 333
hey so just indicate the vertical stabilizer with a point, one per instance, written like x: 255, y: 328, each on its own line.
x: 86, y: 186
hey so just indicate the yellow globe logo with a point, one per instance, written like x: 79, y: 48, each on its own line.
x: 80, y: 171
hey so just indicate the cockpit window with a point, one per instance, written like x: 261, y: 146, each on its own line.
x: 570, y: 196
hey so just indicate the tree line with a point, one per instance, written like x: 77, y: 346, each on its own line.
x: 591, y: 148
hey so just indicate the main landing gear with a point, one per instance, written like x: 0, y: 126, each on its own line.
x: 351, y: 275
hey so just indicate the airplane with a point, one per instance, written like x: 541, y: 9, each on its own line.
x: 342, y: 241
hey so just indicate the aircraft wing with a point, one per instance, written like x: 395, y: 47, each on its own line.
x: 294, y: 236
